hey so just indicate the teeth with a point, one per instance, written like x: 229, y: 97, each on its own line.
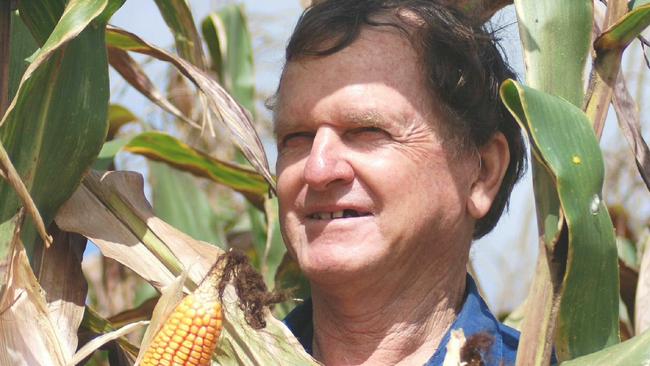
x: 336, y: 215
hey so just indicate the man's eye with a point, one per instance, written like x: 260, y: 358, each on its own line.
x: 370, y: 132
x: 296, y: 138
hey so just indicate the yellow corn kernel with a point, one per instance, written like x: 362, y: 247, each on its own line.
x: 189, y: 336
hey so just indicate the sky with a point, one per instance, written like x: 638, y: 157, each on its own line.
x: 504, y: 259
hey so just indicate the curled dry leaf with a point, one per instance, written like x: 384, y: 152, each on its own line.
x: 627, y: 115
x: 134, y: 75
x: 233, y: 116
x: 111, y: 210
x: 27, y: 335
x: 93, y: 345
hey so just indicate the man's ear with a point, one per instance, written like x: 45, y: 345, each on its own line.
x: 494, y: 158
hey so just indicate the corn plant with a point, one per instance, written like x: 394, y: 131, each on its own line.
x: 59, y: 132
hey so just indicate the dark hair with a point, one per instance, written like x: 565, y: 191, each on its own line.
x: 462, y: 61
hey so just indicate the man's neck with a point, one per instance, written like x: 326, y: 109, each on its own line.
x: 392, y: 321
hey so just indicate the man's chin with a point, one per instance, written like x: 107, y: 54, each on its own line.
x: 337, y: 270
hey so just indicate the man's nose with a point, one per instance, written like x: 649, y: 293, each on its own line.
x: 327, y: 163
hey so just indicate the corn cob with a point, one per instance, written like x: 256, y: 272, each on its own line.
x: 190, y: 335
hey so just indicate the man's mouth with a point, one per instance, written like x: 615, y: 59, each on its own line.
x: 347, y: 213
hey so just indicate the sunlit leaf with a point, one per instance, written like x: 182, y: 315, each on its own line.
x: 563, y: 141
x: 162, y: 147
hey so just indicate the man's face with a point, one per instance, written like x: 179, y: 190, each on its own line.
x: 365, y: 183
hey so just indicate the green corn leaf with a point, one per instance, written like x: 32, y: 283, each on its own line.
x: 633, y: 4
x: 267, y: 240
x: 624, y: 31
x: 564, y: 143
x: 555, y: 62
x: 634, y: 351
x: 162, y: 147
x: 22, y: 46
x: 179, y: 19
x: 58, y: 114
x: 609, y: 47
x: 118, y: 116
x: 179, y: 201
x: 106, y: 158
x: 229, y: 41
x: 289, y: 277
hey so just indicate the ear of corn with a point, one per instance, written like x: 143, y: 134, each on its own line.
x: 190, y: 335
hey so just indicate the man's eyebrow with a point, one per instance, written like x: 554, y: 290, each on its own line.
x: 355, y: 118
x: 366, y: 118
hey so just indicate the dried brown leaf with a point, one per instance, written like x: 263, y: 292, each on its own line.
x: 141, y: 312
x: 60, y: 276
x: 627, y: 114
x: 134, y: 75
x: 93, y: 345
x: 27, y: 336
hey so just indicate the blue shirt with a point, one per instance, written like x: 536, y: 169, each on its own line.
x: 474, y: 317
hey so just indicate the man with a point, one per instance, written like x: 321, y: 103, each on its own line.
x: 394, y: 153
